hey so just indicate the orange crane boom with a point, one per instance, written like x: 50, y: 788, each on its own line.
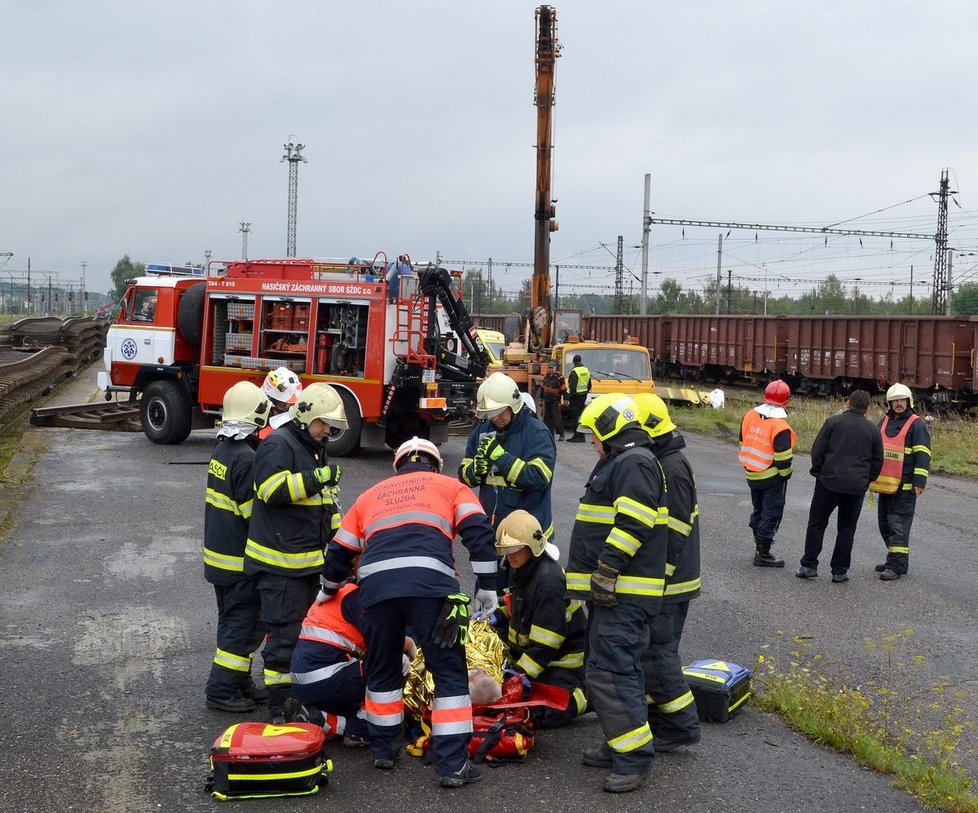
x: 547, y: 51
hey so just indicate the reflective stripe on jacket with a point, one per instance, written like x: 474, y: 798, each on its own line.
x: 403, y: 529
x: 906, y: 454
x: 623, y: 520
x: 294, y: 516
x: 579, y: 380
x: 326, y: 624
x: 763, y: 453
x: 546, y: 630
x: 230, y: 495
x: 683, y: 556
x: 520, y: 478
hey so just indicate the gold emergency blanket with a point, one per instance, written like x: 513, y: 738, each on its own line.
x: 483, y: 650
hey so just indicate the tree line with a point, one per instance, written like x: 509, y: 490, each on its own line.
x: 831, y: 297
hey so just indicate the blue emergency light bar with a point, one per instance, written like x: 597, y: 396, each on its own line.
x: 175, y: 270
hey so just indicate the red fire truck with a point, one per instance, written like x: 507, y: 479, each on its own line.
x: 395, y: 340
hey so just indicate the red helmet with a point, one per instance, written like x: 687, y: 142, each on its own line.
x: 777, y: 393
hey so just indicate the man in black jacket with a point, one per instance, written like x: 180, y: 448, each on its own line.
x: 846, y: 458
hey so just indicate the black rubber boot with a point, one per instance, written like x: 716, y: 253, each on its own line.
x: 762, y: 554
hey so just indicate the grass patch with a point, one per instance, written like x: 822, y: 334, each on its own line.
x: 954, y: 438
x: 886, y: 723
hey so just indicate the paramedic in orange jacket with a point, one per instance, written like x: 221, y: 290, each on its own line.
x: 403, y: 529
x: 328, y: 677
x: 766, y: 449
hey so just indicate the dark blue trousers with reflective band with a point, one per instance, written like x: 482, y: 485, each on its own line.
x: 895, y: 518
x: 618, y: 638
x: 767, y: 497
x: 239, y: 632
x: 284, y: 603
x: 341, y: 693
x: 385, y: 624
x: 672, y: 710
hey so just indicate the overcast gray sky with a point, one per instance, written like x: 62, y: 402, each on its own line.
x: 154, y: 129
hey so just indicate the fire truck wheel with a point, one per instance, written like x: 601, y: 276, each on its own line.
x: 165, y: 413
x: 190, y: 313
x: 343, y: 442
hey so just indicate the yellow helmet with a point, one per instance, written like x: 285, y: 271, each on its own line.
x: 246, y: 403
x: 609, y: 415
x: 496, y: 393
x: 319, y: 400
x: 898, y: 391
x: 653, y: 414
x: 520, y: 529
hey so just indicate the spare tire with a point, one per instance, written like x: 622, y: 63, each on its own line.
x: 190, y: 313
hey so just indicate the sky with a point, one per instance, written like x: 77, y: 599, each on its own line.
x: 154, y: 130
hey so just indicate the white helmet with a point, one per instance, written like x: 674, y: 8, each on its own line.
x: 319, y: 400
x: 898, y: 391
x: 496, y: 393
x: 410, y: 449
x: 282, y: 385
x: 245, y: 403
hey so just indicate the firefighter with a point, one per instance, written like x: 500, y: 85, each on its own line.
x: 227, y: 512
x: 402, y: 529
x: 554, y: 387
x: 578, y: 386
x: 617, y: 562
x: 282, y: 386
x: 766, y: 448
x: 327, y: 667
x: 509, y: 455
x: 294, y: 516
x: 906, y: 466
x: 545, y: 629
x: 672, y: 709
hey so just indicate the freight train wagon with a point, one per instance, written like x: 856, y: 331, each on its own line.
x: 934, y: 355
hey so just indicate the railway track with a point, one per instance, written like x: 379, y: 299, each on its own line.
x: 38, y: 354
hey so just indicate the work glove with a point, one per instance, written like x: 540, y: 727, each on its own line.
x: 603, y: 581
x: 481, y: 466
x: 453, y: 621
x: 405, y: 665
x: 486, y: 603
x: 327, y: 590
x: 491, y: 448
x: 328, y: 475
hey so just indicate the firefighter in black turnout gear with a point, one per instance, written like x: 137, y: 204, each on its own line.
x: 617, y: 561
x: 672, y: 709
x: 545, y: 635
x: 294, y: 516
x: 230, y: 494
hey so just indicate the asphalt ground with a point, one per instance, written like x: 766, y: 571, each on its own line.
x: 107, y: 626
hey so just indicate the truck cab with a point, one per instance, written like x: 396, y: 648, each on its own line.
x: 495, y: 344
x: 624, y: 368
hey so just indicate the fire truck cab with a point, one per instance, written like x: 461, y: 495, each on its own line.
x: 395, y: 341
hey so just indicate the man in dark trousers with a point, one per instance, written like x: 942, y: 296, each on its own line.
x: 767, y: 444
x: 578, y: 386
x: 846, y: 458
x: 903, y: 478
x: 672, y: 709
x: 554, y: 387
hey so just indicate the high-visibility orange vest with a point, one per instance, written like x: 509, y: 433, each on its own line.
x: 758, y: 433
x: 894, y: 450
x: 325, y: 624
